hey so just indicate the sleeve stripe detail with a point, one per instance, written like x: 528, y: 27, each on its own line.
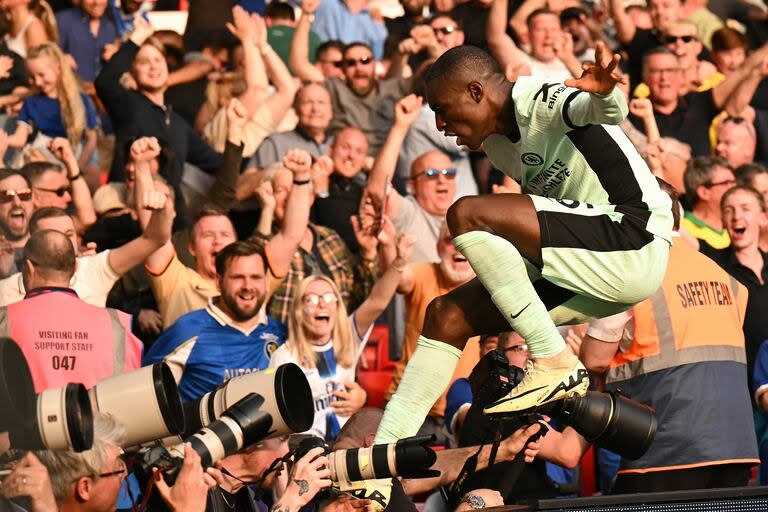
x: 566, y: 104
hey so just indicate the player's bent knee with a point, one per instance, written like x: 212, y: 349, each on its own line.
x: 462, y: 216
x: 445, y: 321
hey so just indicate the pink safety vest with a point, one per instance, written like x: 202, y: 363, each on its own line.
x: 67, y: 340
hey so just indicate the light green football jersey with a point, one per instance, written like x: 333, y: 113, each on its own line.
x: 570, y: 148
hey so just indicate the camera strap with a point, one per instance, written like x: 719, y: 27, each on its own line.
x: 456, y: 490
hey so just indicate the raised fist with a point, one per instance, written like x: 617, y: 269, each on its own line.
x: 61, y: 149
x: 407, y: 110
x: 297, y: 161
x: 145, y: 149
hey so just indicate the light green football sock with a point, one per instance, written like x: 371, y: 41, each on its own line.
x: 501, y: 269
x: 425, y: 378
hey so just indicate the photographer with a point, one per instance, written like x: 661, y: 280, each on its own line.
x: 90, y: 481
x: 250, y: 466
x: 470, y: 426
x: 360, y: 430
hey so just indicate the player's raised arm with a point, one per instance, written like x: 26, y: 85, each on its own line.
x: 606, y: 103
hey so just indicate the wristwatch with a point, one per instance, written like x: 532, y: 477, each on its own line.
x: 474, y: 501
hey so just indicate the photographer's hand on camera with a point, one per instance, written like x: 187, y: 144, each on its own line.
x: 30, y: 478
x: 189, y: 492
x: 517, y: 443
x: 309, y: 475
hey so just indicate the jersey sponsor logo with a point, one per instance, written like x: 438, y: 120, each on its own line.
x: 237, y: 372
x: 531, y: 159
x: 553, y: 98
x: 549, y: 179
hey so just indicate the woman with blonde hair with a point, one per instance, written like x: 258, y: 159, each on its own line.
x: 59, y: 109
x: 326, y: 342
x: 32, y: 23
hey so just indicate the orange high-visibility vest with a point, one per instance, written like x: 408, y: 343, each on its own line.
x: 683, y: 354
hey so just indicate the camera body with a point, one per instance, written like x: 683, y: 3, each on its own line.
x: 492, y: 378
x: 308, y: 443
x: 610, y: 420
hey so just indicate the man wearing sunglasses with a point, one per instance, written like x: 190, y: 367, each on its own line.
x: 432, y: 185
x: 638, y: 41
x: 355, y: 96
x: 15, y: 211
x: 60, y: 188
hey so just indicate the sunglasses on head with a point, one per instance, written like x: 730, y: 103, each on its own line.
x: 58, y: 191
x: 24, y: 194
x: 433, y: 174
x: 353, y: 62
x: 313, y: 299
x: 674, y: 39
x: 448, y: 29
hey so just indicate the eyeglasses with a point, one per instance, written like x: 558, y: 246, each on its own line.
x: 674, y: 39
x: 448, y: 29
x: 517, y: 348
x: 718, y: 183
x: 433, y: 174
x: 122, y: 472
x: 365, y: 60
x: 313, y: 299
x: 58, y: 191
x: 24, y: 194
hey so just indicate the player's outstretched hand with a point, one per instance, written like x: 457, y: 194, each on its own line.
x: 602, y: 76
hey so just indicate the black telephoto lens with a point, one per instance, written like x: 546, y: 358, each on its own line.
x: 610, y: 420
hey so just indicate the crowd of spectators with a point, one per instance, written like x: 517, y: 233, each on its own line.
x: 270, y: 187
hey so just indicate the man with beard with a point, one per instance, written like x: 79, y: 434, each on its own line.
x: 355, y: 96
x: 179, y: 289
x: 232, y: 336
x: 419, y: 284
x: 15, y: 211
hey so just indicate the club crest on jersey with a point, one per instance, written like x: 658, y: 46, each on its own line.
x: 531, y: 159
x: 270, y: 347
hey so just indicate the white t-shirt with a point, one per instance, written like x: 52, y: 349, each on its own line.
x: 92, y: 281
x: 324, y: 379
x: 553, y: 70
